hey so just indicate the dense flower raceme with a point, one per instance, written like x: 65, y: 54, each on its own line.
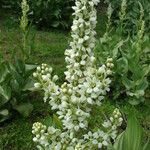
x: 24, y: 19
x: 85, y: 87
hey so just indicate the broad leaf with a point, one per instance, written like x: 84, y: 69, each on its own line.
x: 5, y: 91
x: 4, y: 115
x: 122, y: 65
x: 19, y: 66
x: 4, y: 112
x: 48, y: 121
x: 127, y: 83
x: 29, y: 85
x: 3, y: 72
x: 110, y: 147
x: 24, y: 109
x: 57, y: 122
x: 119, y: 145
x: 142, y: 84
x: 147, y: 145
x: 116, y: 49
x: 134, y: 101
x: 29, y: 69
x: 133, y: 134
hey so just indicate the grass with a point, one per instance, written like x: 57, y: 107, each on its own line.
x: 15, y: 134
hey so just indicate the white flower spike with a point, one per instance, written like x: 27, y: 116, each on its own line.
x: 85, y: 87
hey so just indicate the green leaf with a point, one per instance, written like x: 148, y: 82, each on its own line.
x: 5, y: 91
x: 127, y: 83
x: 20, y: 66
x: 122, y: 65
x: 3, y: 72
x: 56, y: 121
x: 142, y: 84
x: 146, y: 70
x: 4, y: 115
x: 29, y: 85
x: 48, y: 121
x: 30, y: 68
x: 19, y: 78
x: 134, y: 101
x: 15, y: 86
x: 4, y: 112
x: 116, y: 49
x: 133, y: 134
x: 24, y: 109
x: 55, y: 24
x: 147, y: 145
x: 119, y: 142
x: 110, y: 147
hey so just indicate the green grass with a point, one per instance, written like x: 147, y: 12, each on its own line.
x: 49, y: 47
x: 15, y: 134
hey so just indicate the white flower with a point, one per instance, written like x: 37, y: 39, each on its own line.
x: 35, y: 139
x: 84, y: 88
x: 35, y: 74
x: 89, y: 90
x: 89, y: 100
x: 96, y: 1
x: 38, y: 68
x: 74, y: 28
x: 99, y: 145
x: 45, y: 77
x: 105, y: 143
x: 95, y: 135
x: 37, y: 85
x: 80, y: 41
x: 95, y: 142
x: 55, y: 78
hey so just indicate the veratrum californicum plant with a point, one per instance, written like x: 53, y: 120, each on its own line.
x: 85, y: 87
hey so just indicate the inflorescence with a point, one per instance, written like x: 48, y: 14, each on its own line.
x: 85, y: 87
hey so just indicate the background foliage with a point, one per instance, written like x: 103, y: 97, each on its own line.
x: 128, y: 51
x: 132, y: 13
x: 46, y: 13
x: 57, y: 13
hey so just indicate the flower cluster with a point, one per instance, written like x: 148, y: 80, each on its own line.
x: 85, y: 87
x: 141, y: 30
x: 122, y: 14
x: 24, y: 19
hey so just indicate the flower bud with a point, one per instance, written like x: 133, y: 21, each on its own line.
x: 38, y: 68
x: 109, y: 60
x: 37, y: 85
x: 55, y: 78
x: 35, y: 74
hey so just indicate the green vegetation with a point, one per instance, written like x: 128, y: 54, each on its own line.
x: 132, y: 69
x: 48, y: 47
x: 131, y: 138
x: 15, y: 134
x: 45, y: 13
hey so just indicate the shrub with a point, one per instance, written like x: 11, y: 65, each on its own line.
x: 15, y: 86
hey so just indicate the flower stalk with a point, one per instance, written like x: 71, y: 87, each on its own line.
x: 24, y: 22
x: 85, y: 87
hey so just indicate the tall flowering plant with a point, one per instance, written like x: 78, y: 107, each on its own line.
x: 24, y: 26
x: 85, y: 87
